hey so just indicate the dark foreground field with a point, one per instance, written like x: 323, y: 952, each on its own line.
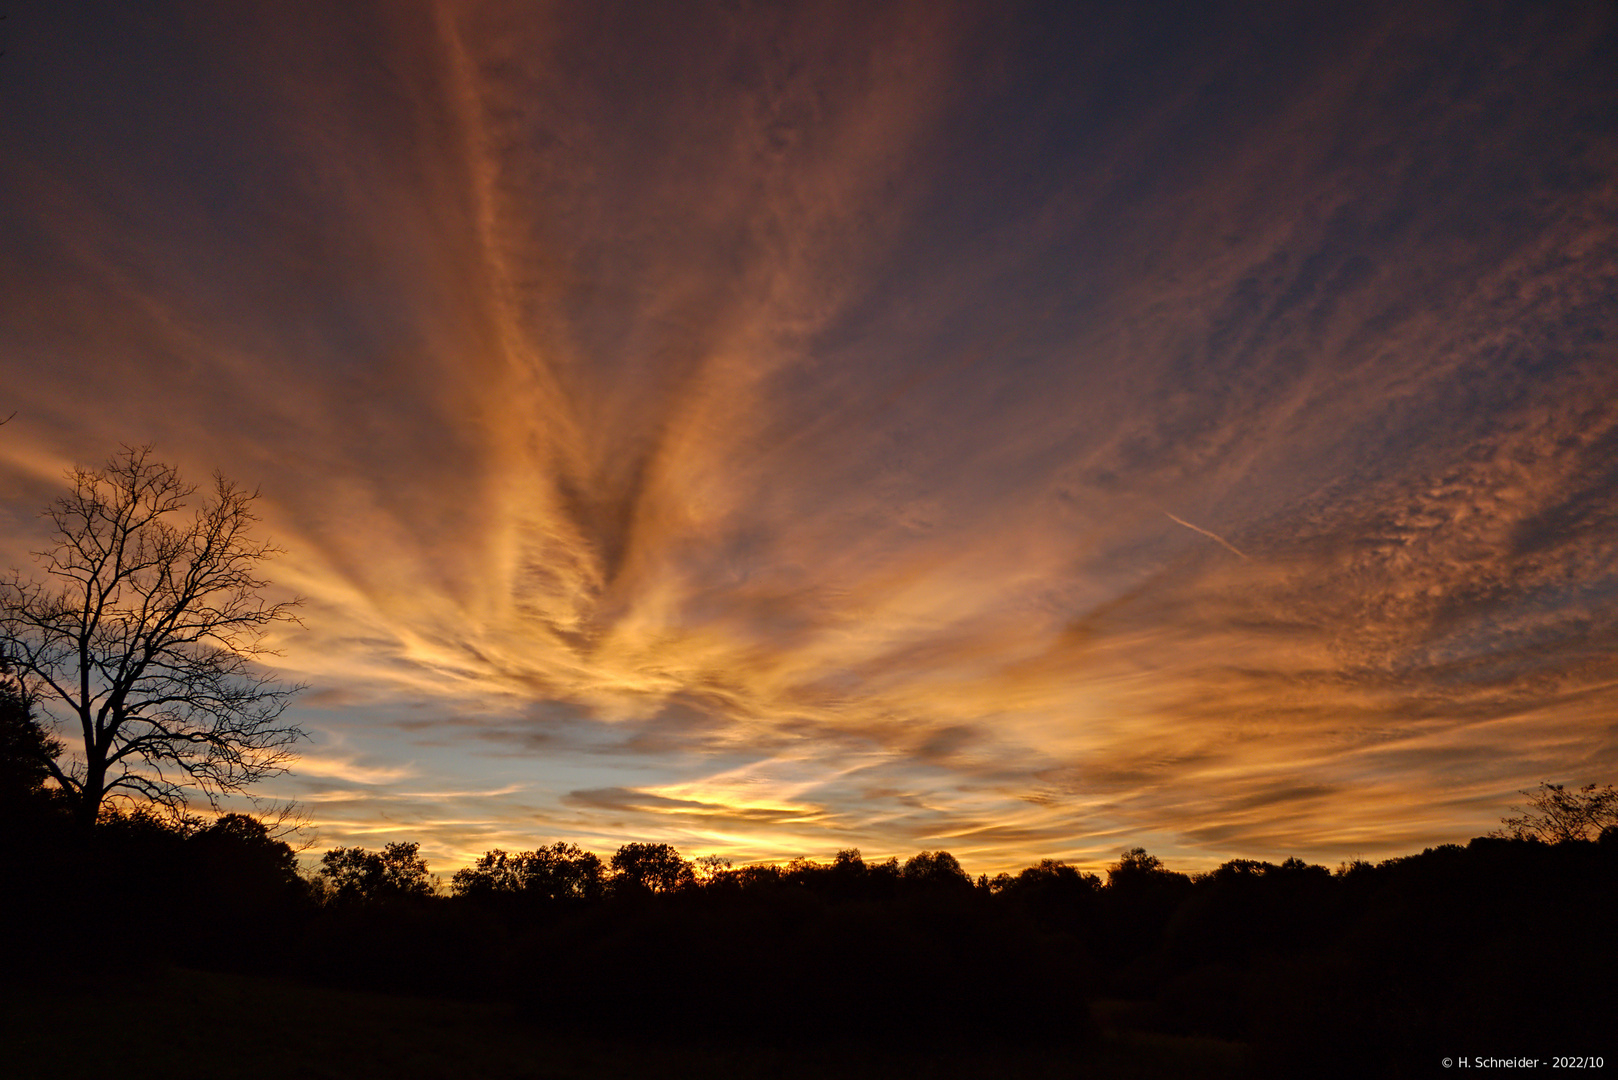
x: 142, y: 949
x: 249, y: 1028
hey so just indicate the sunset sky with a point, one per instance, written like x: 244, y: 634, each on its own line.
x: 1023, y: 430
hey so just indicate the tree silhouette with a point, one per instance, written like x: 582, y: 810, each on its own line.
x: 495, y: 873
x: 247, y: 882
x: 654, y: 868
x: 711, y: 868
x: 242, y: 848
x: 1132, y: 866
x: 1555, y: 814
x: 1048, y: 878
x: 142, y: 636
x: 935, y: 869
x: 561, y: 872
x: 355, y: 875
x: 25, y: 748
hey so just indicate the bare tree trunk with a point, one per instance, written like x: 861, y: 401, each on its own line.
x: 145, y: 629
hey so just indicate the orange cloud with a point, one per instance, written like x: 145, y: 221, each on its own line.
x: 760, y: 430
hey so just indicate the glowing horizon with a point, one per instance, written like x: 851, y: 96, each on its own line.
x: 927, y: 427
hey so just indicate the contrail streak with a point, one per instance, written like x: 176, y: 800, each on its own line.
x: 1212, y: 536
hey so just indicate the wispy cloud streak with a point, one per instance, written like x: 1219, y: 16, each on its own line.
x: 752, y: 427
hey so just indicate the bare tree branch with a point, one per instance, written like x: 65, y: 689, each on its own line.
x: 1555, y: 814
x: 144, y: 635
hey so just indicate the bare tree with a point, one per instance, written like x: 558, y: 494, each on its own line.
x: 1554, y: 814
x: 142, y: 636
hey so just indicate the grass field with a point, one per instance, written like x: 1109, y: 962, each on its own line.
x: 188, y: 1025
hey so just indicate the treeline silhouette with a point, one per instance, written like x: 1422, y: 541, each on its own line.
x: 1503, y: 946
